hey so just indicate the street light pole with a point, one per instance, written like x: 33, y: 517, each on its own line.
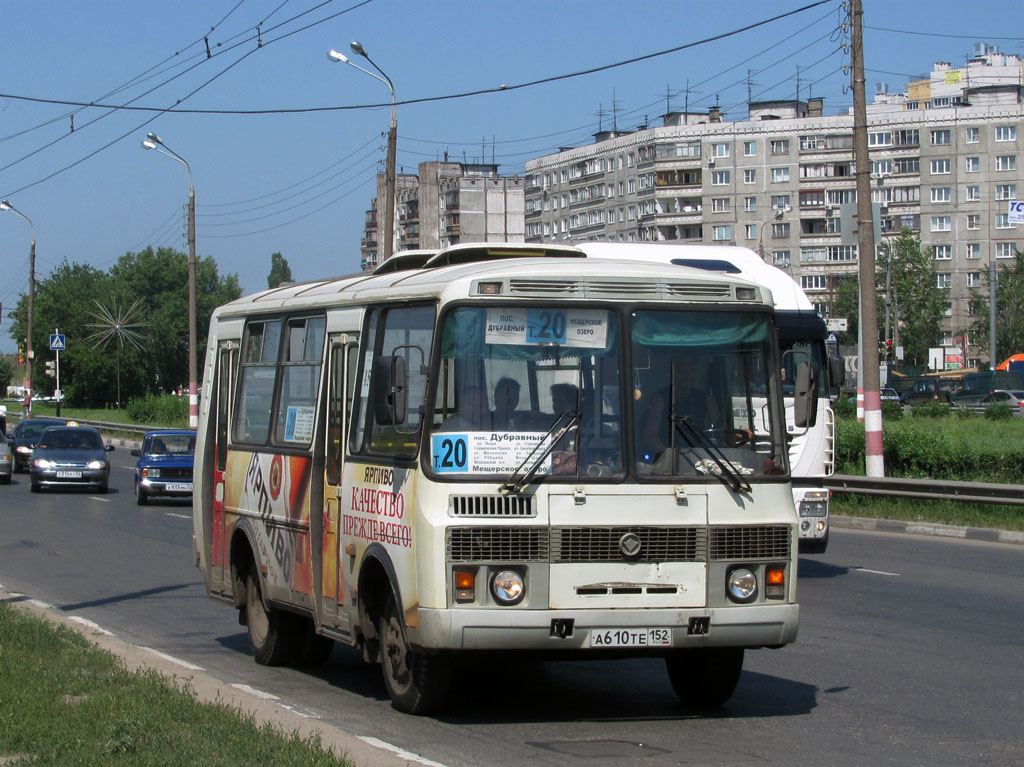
x: 27, y: 408
x: 389, y: 171
x: 153, y: 142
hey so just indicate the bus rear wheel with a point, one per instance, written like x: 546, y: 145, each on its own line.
x: 416, y: 683
x: 271, y: 632
x: 707, y: 677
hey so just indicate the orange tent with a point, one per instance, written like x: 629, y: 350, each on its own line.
x: 1005, y: 364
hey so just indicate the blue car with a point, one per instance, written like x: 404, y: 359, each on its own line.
x: 165, y: 463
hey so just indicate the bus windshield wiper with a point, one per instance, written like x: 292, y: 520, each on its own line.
x: 513, y: 485
x: 726, y: 474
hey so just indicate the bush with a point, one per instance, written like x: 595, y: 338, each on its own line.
x: 892, y: 411
x: 998, y: 412
x: 932, y: 409
x: 845, y: 407
x: 158, y: 410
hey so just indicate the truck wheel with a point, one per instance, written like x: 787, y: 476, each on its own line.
x: 140, y: 495
x: 417, y: 683
x: 705, y: 678
x: 314, y: 649
x: 271, y: 632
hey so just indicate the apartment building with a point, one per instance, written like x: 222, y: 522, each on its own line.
x: 446, y: 203
x: 944, y: 164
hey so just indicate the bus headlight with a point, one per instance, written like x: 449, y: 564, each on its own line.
x: 814, y: 504
x: 508, y: 587
x: 741, y: 585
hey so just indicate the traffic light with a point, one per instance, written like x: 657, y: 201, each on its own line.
x: 21, y: 353
x: 51, y: 368
x: 888, y: 349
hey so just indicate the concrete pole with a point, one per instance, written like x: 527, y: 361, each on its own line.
x: 193, y: 391
x: 874, y: 459
x: 992, y: 277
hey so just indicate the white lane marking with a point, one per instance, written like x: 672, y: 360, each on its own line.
x: 179, y: 516
x: 874, y: 572
x: 254, y: 691
x: 400, y: 752
x: 97, y: 498
x: 172, y: 659
x: 299, y: 711
x: 94, y: 626
x: 40, y: 603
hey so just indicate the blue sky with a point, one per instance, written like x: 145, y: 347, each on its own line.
x: 300, y: 183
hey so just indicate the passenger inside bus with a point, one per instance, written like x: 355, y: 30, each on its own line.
x: 471, y: 413
x: 506, y: 400
x: 691, y: 401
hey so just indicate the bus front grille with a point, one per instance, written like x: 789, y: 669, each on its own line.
x: 753, y: 542
x: 492, y: 506
x: 497, y: 544
x: 605, y: 544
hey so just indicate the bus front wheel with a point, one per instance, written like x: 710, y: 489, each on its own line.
x: 271, y: 634
x: 416, y: 683
x: 707, y: 677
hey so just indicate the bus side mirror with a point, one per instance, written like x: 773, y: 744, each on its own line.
x: 837, y: 372
x: 389, y: 390
x: 805, y: 396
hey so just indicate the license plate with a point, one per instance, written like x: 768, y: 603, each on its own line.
x: 634, y: 637
x: 69, y: 475
x: 179, y: 487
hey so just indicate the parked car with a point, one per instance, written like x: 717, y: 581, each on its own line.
x: 926, y: 390
x: 25, y: 436
x: 165, y: 463
x: 70, y: 456
x: 982, y: 383
x: 1015, y: 400
x: 889, y: 395
x: 6, y: 460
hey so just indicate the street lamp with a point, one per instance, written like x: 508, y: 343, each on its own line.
x: 6, y: 205
x: 389, y: 173
x: 153, y: 142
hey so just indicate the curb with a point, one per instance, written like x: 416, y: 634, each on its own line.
x: 928, y: 528
x: 240, y: 699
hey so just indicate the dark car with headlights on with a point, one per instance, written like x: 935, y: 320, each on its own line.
x: 165, y: 463
x: 25, y: 436
x: 70, y: 456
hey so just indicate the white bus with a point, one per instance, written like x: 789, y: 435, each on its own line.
x: 802, y: 336
x: 499, y: 451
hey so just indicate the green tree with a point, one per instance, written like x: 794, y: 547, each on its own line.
x: 280, y: 272
x: 917, y: 302
x: 1009, y: 310
x: 6, y: 373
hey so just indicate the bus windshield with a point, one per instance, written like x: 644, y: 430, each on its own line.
x: 541, y: 390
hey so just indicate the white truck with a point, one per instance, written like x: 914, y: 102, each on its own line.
x: 802, y: 337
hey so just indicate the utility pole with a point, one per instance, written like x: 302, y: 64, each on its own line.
x: 874, y: 459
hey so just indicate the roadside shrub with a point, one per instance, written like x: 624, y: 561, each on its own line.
x: 158, y: 410
x: 998, y: 412
x: 931, y: 410
x: 964, y: 412
x: 845, y: 407
x: 892, y: 411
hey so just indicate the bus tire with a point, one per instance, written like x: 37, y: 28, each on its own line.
x: 314, y: 649
x: 417, y: 683
x: 271, y: 632
x: 707, y: 677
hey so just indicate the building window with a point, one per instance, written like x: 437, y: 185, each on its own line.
x: 751, y: 231
x: 973, y: 250
x: 780, y: 231
x: 943, y: 252
x: 1004, y: 250
x: 906, y: 165
x: 1006, y: 191
x: 720, y: 177
x: 972, y: 164
x: 780, y: 258
x: 632, y: 212
x: 948, y: 312
x: 940, y: 167
x: 881, y: 167
x: 941, y: 194
x: 780, y: 201
x: 973, y: 135
x: 940, y: 136
x: 1006, y: 162
x: 1003, y: 221
x: 721, y: 150
x: 780, y: 175
x: 720, y: 204
x: 1006, y: 132
x: 611, y: 215
x: 944, y: 280
x: 750, y: 149
x: 941, y: 223
x: 749, y: 204
x: 631, y: 186
x: 974, y: 279
x: 779, y: 146
x: 973, y: 194
x: 630, y: 159
x: 974, y: 221
x: 721, y: 232
x: 813, y: 281
x: 880, y: 138
x: 749, y: 176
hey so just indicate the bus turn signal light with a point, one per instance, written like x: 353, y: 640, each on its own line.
x: 775, y: 583
x: 465, y: 585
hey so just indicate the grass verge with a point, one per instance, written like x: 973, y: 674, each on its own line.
x: 63, y: 701
x: 937, y: 512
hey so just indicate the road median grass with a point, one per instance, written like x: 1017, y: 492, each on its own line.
x: 63, y: 701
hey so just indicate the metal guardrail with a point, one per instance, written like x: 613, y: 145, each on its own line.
x: 921, y: 489
x: 131, y: 428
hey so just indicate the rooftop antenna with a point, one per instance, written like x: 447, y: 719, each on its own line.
x: 615, y: 112
x: 600, y: 114
x: 797, y: 82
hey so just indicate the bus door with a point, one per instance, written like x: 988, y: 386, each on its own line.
x: 227, y: 362
x: 342, y: 365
